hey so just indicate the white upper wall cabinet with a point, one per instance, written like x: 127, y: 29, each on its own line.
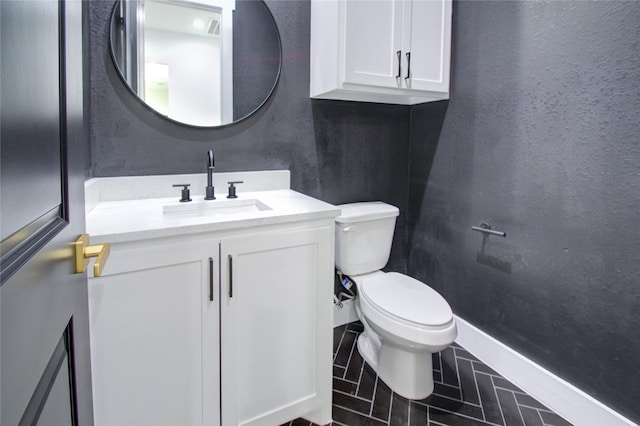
x: 388, y: 51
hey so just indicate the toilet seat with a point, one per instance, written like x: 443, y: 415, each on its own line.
x: 407, y: 299
x: 406, y: 307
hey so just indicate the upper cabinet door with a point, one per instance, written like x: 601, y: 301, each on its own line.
x: 373, y: 42
x: 429, y: 46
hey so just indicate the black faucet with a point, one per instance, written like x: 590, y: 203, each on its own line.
x: 210, y: 166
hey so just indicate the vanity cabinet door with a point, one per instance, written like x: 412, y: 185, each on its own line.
x: 276, y: 325
x: 154, y: 334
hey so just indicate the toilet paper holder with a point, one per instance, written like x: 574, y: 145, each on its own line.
x: 486, y: 229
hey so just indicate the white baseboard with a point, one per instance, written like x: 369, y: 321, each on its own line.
x: 562, y: 397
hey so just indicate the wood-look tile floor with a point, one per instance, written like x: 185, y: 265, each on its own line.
x: 466, y: 392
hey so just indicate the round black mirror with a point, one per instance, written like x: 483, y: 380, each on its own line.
x: 202, y: 63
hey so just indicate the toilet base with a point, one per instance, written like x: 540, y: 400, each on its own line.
x: 408, y: 373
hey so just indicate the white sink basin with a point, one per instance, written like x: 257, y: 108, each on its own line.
x: 214, y: 207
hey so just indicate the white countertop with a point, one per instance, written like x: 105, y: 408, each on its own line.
x: 137, y: 218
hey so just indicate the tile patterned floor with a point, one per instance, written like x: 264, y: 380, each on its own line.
x: 467, y: 392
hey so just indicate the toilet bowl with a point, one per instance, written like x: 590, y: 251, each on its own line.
x: 405, y: 321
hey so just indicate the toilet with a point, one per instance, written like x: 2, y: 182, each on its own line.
x: 405, y: 320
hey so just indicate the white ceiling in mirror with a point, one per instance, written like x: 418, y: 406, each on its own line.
x: 196, y: 19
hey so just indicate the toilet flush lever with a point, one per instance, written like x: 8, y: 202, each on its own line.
x: 348, y: 228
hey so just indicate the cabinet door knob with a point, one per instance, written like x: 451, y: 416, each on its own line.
x: 399, y: 54
x: 83, y: 251
x: 408, y: 54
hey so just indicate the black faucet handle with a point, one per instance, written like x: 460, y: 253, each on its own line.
x: 186, y: 195
x: 232, y: 188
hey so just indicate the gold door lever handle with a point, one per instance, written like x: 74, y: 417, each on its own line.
x: 83, y: 251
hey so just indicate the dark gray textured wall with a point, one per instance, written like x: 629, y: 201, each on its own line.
x: 336, y: 151
x: 542, y: 140
x: 256, y: 54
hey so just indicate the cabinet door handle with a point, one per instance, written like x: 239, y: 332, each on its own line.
x: 230, y: 276
x: 408, y: 66
x: 211, y: 279
x: 399, y: 53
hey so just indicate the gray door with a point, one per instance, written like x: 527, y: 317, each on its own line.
x: 44, y: 352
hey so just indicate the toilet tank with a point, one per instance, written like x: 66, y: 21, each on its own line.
x: 364, y: 232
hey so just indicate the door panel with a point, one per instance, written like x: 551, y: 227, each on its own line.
x: 57, y: 409
x: 31, y: 114
x: 43, y: 150
x: 52, y: 403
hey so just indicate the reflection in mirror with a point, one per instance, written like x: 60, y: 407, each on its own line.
x: 202, y: 62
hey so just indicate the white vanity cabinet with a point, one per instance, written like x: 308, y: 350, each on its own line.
x: 389, y: 51
x: 221, y: 328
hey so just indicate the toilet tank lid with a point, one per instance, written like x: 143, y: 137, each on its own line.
x: 370, y: 210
